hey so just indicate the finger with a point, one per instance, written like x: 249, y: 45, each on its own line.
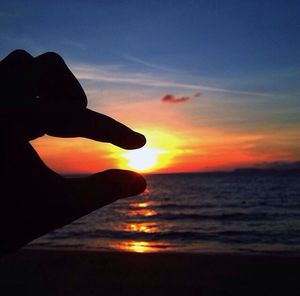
x: 57, y: 86
x: 16, y: 59
x: 17, y: 91
x: 102, y: 128
x: 16, y: 74
x: 95, y: 126
x: 103, y: 188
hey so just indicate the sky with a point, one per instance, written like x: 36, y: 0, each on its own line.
x: 214, y: 85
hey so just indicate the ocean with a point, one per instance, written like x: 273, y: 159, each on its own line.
x: 214, y: 212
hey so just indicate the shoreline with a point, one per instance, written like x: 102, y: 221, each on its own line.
x: 291, y: 254
x: 60, y: 272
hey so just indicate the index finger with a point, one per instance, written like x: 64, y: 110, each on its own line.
x: 99, y: 127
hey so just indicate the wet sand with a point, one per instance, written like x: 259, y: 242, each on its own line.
x: 42, y: 272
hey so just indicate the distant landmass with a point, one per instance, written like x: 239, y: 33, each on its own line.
x: 282, y: 165
x: 265, y: 168
x: 279, y: 166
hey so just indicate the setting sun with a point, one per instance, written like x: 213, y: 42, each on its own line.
x: 143, y: 159
x: 159, y: 152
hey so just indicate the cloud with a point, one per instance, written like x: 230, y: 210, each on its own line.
x: 117, y: 74
x: 74, y: 44
x: 146, y: 63
x: 175, y: 100
x: 197, y: 95
x: 172, y: 99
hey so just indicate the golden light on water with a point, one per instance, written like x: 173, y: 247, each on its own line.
x: 142, y: 212
x: 141, y: 209
x: 140, y: 246
x: 145, y: 227
x: 134, y: 246
x: 143, y: 204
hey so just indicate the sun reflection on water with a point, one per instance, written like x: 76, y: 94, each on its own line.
x: 142, y: 212
x: 145, y: 227
x: 137, y: 213
x: 141, y: 209
x: 140, y: 204
x: 140, y: 246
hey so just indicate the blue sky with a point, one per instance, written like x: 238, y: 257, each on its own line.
x: 213, y: 38
x: 242, y: 55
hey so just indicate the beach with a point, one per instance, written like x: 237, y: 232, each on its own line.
x: 50, y: 272
x: 188, y: 234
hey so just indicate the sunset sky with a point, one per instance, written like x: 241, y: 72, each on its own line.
x: 213, y: 85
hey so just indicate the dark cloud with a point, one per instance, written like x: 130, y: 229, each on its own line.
x: 174, y: 100
x: 197, y: 95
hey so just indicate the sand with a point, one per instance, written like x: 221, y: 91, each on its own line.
x: 44, y: 272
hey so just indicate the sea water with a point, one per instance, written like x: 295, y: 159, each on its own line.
x: 217, y: 212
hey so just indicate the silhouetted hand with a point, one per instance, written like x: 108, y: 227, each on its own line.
x: 41, y: 96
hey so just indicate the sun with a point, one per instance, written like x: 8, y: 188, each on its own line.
x: 160, y: 151
x: 144, y: 159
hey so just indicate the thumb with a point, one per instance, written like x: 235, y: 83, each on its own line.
x: 95, y: 191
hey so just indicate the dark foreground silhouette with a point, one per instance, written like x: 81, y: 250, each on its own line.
x: 41, y: 96
x: 77, y: 273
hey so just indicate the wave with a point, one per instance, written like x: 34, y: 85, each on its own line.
x: 241, y: 217
x: 242, y: 205
x: 228, y: 213
x: 175, y: 236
